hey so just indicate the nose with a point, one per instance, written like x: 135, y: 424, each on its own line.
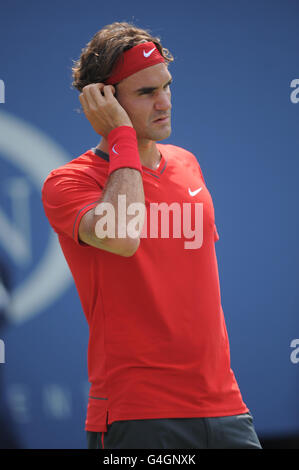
x: 163, y: 102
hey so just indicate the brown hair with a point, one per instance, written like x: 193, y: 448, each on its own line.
x: 101, y: 53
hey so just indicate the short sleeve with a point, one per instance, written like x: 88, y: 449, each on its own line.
x: 200, y: 171
x: 216, y: 235
x: 66, y: 198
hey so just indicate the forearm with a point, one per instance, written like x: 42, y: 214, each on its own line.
x: 109, y: 225
x: 119, y: 216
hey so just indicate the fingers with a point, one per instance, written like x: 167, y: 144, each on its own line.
x: 95, y: 92
x: 102, y: 109
x: 109, y: 91
x: 91, y: 96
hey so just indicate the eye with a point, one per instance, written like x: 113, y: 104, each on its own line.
x: 146, y: 92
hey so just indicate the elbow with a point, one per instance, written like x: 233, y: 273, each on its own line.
x: 125, y: 247
x: 105, y: 234
x: 132, y: 247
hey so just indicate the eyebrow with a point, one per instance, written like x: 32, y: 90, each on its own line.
x: 151, y: 89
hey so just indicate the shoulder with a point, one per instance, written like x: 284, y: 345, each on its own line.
x: 84, y: 167
x: 179, y: 156
x: 86, y: 172
x: 79, y: 165
x: 175, y: 152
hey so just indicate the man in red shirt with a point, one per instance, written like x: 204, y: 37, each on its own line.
x: 135, y: 221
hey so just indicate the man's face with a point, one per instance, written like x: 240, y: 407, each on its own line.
x: 146, y: 97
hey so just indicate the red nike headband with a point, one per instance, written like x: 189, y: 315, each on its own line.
x: 137, y: 58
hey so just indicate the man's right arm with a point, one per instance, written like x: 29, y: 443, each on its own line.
x: 105, y: 114
x: 127, y: 182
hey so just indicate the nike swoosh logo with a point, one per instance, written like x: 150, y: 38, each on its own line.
x: 193, y: 193
x: 147, y: 54
x: 113, y: 150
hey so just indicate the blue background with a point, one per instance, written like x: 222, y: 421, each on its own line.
x: 234, y: 63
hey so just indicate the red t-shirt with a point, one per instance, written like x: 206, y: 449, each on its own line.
x: 158, y: 345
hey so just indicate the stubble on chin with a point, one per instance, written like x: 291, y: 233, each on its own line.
x: 159, y: 134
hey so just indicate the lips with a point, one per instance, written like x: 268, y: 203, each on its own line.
x: 162, y: 119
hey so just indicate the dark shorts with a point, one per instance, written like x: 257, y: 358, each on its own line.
x: 227, y: 432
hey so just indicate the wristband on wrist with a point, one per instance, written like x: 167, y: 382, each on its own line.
x: 123, y: 149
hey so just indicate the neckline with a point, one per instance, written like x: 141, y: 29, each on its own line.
x: 159, y: 170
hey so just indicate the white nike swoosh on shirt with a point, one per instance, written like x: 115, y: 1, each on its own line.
x: 113, y: 150
x: 147, y: 54
x: 193, y: 193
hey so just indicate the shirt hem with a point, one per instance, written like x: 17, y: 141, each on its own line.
x: 172, y: 414
x: 96, y: 428
x: 165, y: 414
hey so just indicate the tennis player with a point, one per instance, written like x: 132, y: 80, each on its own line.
x: 158, y: 354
